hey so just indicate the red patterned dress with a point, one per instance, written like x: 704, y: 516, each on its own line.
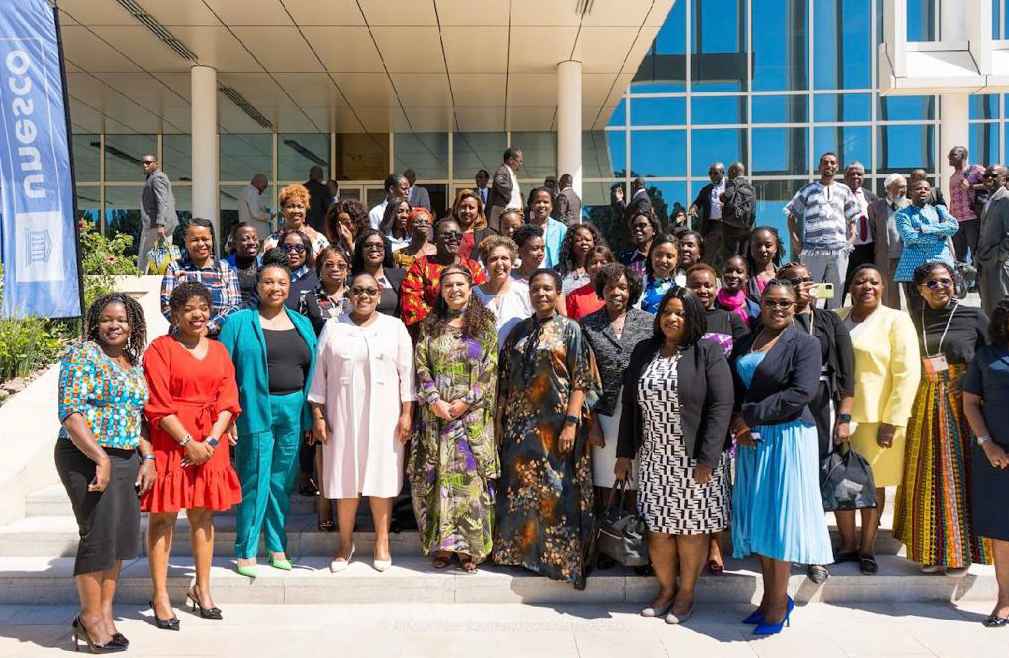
x: 422, y: 284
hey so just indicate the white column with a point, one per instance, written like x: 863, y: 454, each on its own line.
x: 205, y: 152
x: 954, y: 109
x: 569, y: 122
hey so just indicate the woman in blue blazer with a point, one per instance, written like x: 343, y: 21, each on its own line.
x: 273, y: 349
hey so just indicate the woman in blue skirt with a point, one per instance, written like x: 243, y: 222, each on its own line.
x: 777, y: 512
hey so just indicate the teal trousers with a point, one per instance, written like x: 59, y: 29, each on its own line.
x: 267, y: 463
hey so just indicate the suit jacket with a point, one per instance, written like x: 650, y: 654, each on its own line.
x: 157, y: 203
x: 499, y: 197
x: 319, y: 199
x: 705, y: 395
x: 785, y: 382
x: 569, y: 206
x: 703, y: 201
x: 993, y: 243
x: 879, y: 215
x: 419, y: 198
x: 640, y: 203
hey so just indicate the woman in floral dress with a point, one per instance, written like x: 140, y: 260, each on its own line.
x: 454, y: 460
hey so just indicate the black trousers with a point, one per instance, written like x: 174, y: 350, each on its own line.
x: 966, y: 238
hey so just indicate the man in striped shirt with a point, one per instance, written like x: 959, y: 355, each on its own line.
x: 821, y: 220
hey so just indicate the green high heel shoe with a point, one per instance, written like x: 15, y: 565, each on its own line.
x: 282, y: 563
x: 247, y: 570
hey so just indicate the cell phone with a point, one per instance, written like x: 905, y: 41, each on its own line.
x: 822, y: 291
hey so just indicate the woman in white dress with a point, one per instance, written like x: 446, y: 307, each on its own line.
x: 362, y: 400
x: 505, y: 296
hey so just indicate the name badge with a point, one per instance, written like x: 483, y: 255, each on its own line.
x: 935, y: 364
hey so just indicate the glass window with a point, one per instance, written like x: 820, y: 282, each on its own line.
x: 425, y: 153
x: 780, y: 41
x: 920, y: 20
x: 842, y: 56
x: 984, y: 106
x: 850, y: 143
x: 779, y: 151
x: 658, y: 111
x: 901, y: 148
x: 842, y: 107
x: 665, y: 195
x: 244, y: 156
x: 86, y: 157
x: 906, y: 108
x: 122, y: 213
x: 718, y: 45
x: 718, y: 109
x: 89, y: 206
x: 983, y: 147
x: 475, y: 151
x: 772, y: 196
x: 720, y: 145
x: 177, y: 156
x: 658, y: 153
x: 779, y: 109
x: 539, y: 154
x: 361, y: 156
x: 619, y: 115
x: 604, y: 154
x: 664, y: 68
x: 124, y: 156
x: 298, y: 153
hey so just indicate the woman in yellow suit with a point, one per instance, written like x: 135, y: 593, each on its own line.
x: 887, y: 370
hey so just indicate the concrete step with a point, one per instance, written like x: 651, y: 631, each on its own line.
x: 413, y: 580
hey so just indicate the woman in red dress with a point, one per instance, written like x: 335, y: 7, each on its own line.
x: 193, y: 401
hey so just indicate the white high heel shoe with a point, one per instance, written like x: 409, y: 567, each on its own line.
x: 341, y: 564
x: 382, y: 565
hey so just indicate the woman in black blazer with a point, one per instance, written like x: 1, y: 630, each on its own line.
x: 676, y: 408
x: 373, y: 254
x: 776, y: 508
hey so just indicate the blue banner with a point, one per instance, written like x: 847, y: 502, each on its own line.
x: 39, y: 236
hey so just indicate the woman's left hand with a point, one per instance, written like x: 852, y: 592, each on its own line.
x: 566, y: 441
x: 146, y: 477
x: 457, y: 409
x: 403, y: 428
x: 702, y: 474
x: 884, y: 435
x: 233, y: 435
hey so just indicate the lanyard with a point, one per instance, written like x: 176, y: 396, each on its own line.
x: 924, y: 344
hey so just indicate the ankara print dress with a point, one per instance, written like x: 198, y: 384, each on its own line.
x: 544, y: 498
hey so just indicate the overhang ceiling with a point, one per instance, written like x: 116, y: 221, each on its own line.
x: 352, y: 65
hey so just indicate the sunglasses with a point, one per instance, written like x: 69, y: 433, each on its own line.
x: 936, y: 284
x: 148, y: 162
x: 450, y: 235
x: 359, y: 291
x: 296, y: 248
x: 374, y: 246
x: 782, y: 304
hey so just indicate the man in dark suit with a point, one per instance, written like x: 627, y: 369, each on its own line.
x: 505, y: 192
x: 569, y: 206
x: 483, y: 187
x: 862, y: 240
x: 640, y: 203
x: 157, y: 209
x: 319, y: 197
x: 707, y: 210
x: 418, y: 197
x: 993, y: 264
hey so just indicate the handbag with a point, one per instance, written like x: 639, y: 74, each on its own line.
x: 846, y: 481
x: 620, y: 534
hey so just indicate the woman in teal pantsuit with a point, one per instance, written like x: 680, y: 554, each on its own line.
x: 273, y: 349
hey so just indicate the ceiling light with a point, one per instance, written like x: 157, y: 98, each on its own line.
x: 159, y: 30
x: 305, y: 152
x: 235, y: 97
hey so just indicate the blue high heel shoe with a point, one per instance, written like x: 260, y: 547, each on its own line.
x: 757, y: 618
x: 773, y: 629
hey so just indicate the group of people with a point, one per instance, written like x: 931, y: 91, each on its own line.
x: 512, y: 373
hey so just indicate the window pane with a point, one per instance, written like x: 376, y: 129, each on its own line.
x: 772, y: 197
x: 177, y: 156
x: 905, y: 147
x: 475, y: 151
x: 842, y: 107
x: 850, y: 143
x: 244, y: 156
x: 665, y: 195
x: 658, y: 111
x: 298, y: 153
x: 718, y: 109
x: 361, y: 157
x: 124, y: 156
x: 89, y: 205
x: 425, y: 153
x: 906, y: 108
x: 780, y: 42
x: 842, y: 56
x: 604, y: 154
x: 722, y: 145
x: 983, y: 145
x: 779, y: 109
x: 86, y: 160
x: 619, y: 115
x: 122, y: 214
x: 539, y: 154
x: 664, y: 68
x: 718, y: 45
x: 658, y: 152
x: 920, y: 20
x: 779, y: 151
x: 984, y: 106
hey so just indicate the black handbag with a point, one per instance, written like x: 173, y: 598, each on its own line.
x: 846, y: 481
x: 620, y: 534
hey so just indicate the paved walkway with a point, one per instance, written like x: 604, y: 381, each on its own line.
x: 488, y: 631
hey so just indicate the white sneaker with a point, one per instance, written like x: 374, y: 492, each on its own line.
x: 341, y: 564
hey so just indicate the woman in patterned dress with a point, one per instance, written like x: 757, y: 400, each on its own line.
x: 454, y: 462
x: 676, y: 409
x: 548, y: 384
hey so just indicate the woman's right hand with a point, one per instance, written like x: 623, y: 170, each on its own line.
x: 622, y: 469
x: 442, y: 410
x: 997, y: 457
x: 197, y: 452
x: 320, y: 433
x: 103, y: 473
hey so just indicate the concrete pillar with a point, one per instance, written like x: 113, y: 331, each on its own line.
x: 954, y: 109
x: 569, y: 122
x: 205, y: 149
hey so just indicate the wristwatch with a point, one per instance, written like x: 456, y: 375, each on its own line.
x: 570, y: 420
x: 981, y: 440
x: 844, y: 418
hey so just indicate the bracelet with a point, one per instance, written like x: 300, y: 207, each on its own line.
x: 147, y: 458
x: 185, y: 440
x: 570, y: 420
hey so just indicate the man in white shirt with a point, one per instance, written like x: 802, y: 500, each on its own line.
x: 252, y: 208
x: 395, y: 185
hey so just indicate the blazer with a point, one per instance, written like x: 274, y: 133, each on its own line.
x: 569, y: 206
x: 243, y: 337
x: 785, y: 382
x: 879, y: 217
x: 319, y: 201
x: 993, y: 242
x: 499, y: 197
x: 705, y: 393
x: 419, y: 198
x: 157, y: 203
x: 640, y: 204
x: 703, y: 201
x: 887, y: 367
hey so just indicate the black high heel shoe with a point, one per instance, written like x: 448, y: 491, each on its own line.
x: 79, y: 633
x: 120, y: 639
x: 206, y: 613
x: 164, y: 624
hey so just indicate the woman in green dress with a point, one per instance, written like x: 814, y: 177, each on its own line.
x: 547, y: 386
x: 454, y: 461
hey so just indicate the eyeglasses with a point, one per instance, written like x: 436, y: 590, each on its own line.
x: 779, y: 303
x: 374, y: 246
x: 369, y: 292
x: 339, y: 268
x: 800, y: 280
x: 935, y: 284
x: 450, y: 235
x: 296, y: 248
x: 149, y: 162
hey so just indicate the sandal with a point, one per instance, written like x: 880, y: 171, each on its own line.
x: 467, y: 564
x: 327, y: 525
x: 716, y: 568
x: 441, y: 561
x: 868, y: 564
